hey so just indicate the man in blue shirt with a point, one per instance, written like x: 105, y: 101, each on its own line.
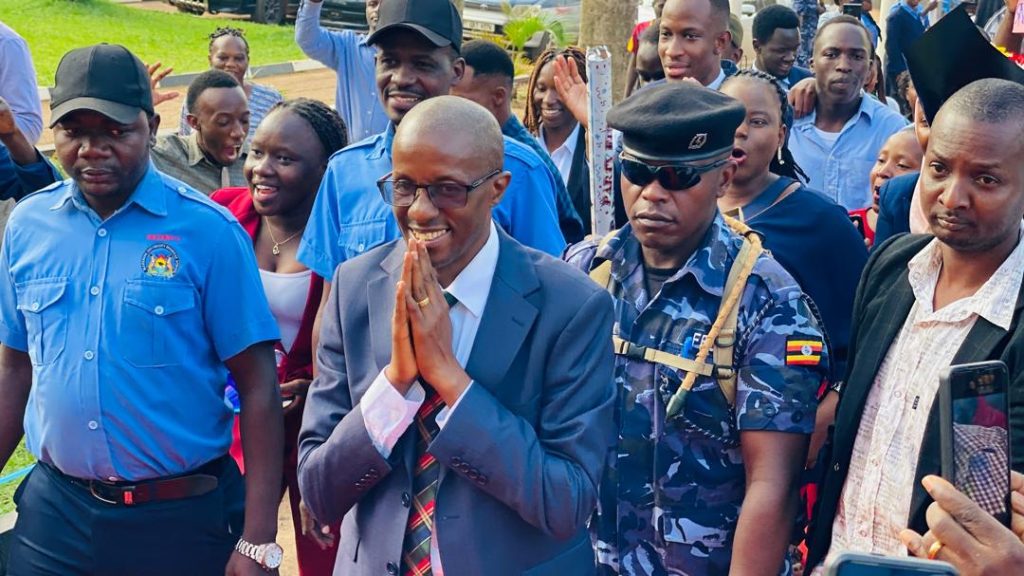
x: 352, y: 58
x: 419, y: 43
x: 838, y: 143
x: 488, y: 81
x: 123, y: 296
x: 903, y: 26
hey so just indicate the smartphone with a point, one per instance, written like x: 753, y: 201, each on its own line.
x: 852, y: 9
x: 852, y: 564
x: 974, y: 416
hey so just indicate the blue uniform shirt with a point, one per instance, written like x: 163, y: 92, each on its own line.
x: 349, y: 216
x: 842, y: 172
x: 17, y: 181
x: 128, y: 322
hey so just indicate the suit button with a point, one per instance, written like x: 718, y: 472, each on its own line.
x: 836, y: 467
x: 392, y: 568
x: 456, y: 461
x: 406, y: 499
x: 482, y: 480
x: 473, y: 474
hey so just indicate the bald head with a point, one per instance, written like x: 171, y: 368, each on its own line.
x: 991, y: 100
x: 457, y: 124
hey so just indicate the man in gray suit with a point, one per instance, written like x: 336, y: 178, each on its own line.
x: 459, y: 430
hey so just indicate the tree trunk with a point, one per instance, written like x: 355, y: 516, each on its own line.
x: 609, y: 23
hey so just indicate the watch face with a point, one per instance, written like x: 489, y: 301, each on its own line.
x: 273, y: 556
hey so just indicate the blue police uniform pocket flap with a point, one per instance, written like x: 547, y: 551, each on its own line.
x: 683, y: 530
x: 36, y: 296
x: 357, y: 238
x: 159, y: 298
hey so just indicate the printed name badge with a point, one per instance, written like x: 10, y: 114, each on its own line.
x: 803, y: 351
x: 692, y: 345
x: 160, y: 261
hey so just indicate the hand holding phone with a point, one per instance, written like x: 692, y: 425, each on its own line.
x: 853, y: 564
x: 853, y: 9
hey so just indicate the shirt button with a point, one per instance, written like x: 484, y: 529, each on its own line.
x: 361, y: 247
x: 181, y: 189
x: 102, y: 232
x: 35, y: 306
x: 95, y: 290
x: 88, y: 355
x: 159, y: 310
x: 93, y: 425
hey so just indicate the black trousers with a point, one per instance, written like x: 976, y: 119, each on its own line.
x: 63, y: 530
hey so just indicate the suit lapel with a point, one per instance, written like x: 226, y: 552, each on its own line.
x: 887, y: 314
x: 380, y: 296
x: 507, y: 319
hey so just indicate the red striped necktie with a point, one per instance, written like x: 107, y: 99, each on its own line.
x: 416, y: 547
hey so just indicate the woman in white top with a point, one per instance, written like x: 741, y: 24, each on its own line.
x: 287, y: 159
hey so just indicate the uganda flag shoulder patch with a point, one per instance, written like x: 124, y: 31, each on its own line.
x: 803, y: 351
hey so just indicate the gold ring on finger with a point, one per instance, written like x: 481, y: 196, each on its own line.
x: 423, y: 303
x: 934, y: 549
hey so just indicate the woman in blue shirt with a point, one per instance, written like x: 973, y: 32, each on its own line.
x: 810, y: 235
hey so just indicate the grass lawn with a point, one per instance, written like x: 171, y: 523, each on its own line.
x: 19, y: 460
x: 52, y: 27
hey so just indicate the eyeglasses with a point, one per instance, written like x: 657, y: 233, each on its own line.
x: 670, y: 176
x: 402, y: 193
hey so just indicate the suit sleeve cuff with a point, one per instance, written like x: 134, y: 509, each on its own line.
x: 446, y: 412
x: 387, y: 413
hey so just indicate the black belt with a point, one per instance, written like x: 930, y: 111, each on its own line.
x: 202, y: 480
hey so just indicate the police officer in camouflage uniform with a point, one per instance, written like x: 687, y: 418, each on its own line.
x: 686, y: 489
x: 808, y: 11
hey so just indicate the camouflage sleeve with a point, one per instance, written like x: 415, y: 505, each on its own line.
x: 782, y: 359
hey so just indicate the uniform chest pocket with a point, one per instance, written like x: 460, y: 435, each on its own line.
x: 45, y: 309
x: 155, y: 316
x: 355, y: 239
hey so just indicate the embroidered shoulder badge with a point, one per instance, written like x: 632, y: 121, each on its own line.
x: 803, y: 351
x: 160, y: 261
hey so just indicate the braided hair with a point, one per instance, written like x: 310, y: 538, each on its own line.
x: 222, y: 31
x: 329, y: 127
x: 531, y: 118
x: 783, y: 163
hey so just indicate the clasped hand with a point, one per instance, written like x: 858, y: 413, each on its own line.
x: 421, y: 331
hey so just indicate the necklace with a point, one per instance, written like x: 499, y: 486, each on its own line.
x: 276, y: 250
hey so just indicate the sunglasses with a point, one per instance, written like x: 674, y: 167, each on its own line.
x: 669, y: 176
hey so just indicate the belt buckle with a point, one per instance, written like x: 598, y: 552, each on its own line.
x: 127, y: 493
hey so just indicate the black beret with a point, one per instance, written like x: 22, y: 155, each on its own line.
x: 677, y: 122
x: 951, y: 55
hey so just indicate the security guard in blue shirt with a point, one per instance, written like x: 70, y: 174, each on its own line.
x: 123, y: 296
x: 719, y: 355
x: 418, y: 45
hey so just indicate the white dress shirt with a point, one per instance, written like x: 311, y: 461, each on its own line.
x: 716, y: 84
x: 387, y: 413
x: 562, y: 156
x: 875, y: 502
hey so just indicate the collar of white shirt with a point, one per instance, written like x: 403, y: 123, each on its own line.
x: 473, y: 285
x: 716, y: 84
x: 995, y: 301
x: 569, y: 146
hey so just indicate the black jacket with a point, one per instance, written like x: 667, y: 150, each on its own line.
x: 882, y: 304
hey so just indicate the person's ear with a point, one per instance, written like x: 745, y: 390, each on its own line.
x: 458, y: 70
x: 499, y: 97
x: 154, y: 127
x: 757, y: 46
x: 722, y: 41
x: 193, y: 121
x: 725, y: 178
x: 499, y: 187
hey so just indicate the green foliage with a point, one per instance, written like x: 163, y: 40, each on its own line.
x: 20, y: 459
x: 525, y: 21
x: 52, y: 27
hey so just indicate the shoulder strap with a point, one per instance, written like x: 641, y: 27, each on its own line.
x: 602, y: 273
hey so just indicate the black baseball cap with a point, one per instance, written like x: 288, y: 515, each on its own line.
x: 951, y: 55
x: 105, y: 78
x: 437, y: 20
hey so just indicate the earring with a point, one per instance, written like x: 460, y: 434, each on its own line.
x: 781, y: 161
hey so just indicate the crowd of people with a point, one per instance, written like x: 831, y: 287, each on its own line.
x: 397, y: 311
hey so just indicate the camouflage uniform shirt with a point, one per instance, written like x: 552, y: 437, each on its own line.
x: 807, y: 10
x: 671, y: 497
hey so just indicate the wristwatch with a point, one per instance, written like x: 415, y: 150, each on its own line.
x: 268, y: 556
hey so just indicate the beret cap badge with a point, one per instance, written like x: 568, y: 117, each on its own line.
x: 698, y: 141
